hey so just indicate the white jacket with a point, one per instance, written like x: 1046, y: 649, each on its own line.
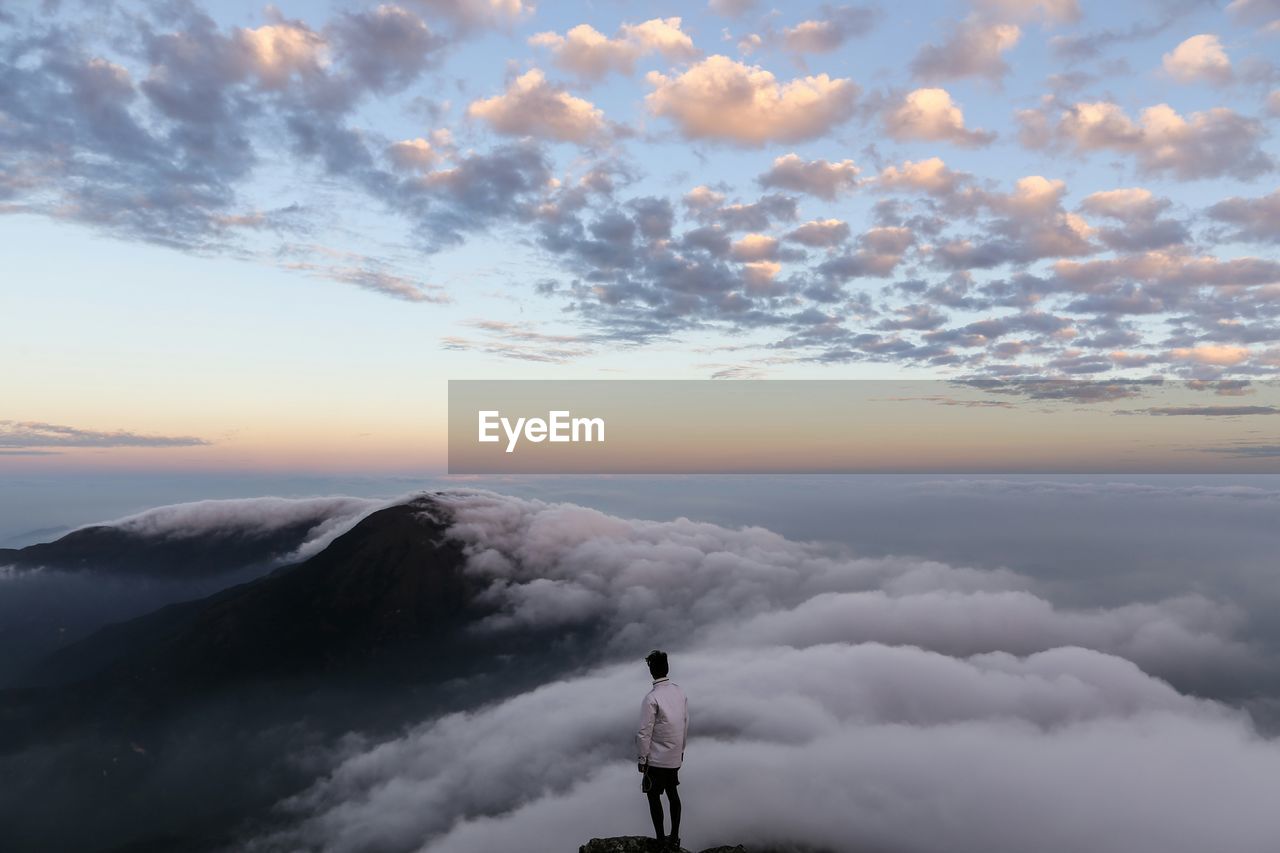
x: 664, y: 725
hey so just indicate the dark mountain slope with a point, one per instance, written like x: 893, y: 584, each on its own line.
x: 393, y: 584
x: 59, y: 592
x: 179, y: 727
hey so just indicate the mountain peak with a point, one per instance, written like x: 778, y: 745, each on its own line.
x: 394, y: 578
x: 215, y: 537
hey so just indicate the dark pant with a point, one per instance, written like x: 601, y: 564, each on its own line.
x: 664, y: 779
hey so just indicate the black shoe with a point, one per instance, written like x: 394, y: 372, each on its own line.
x: 673, y: 842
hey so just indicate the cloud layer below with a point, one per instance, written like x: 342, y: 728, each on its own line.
x: 887, y: 703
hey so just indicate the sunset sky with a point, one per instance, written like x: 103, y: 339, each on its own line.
x: 246, y: 237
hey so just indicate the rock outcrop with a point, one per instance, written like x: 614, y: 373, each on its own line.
x: 640, y: 844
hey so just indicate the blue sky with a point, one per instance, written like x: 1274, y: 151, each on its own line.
x: 265, y: 236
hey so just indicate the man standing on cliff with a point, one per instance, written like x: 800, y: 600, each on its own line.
x: 664, y: 726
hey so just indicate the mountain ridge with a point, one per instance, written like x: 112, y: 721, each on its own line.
x: 144, y: 545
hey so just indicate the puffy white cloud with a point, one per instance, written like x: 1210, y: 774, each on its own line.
x: 1199, y: 58
x: 1128, y: 204
x: 755, y: 247
x: 974, y: 48
x: 722, y: 99
x: 1032, y: 224
x: 278, y: 51
x: 816, y: 177
x: 703, y: 198
x: 661, y: 35
x: 1137, y: 210
x: 1172, y: 266
x: 832, y: 745
x: 930, y: 176
x: 694, y: 576
x: 887, y: 704
x: 1033, y: 195
x: 1100, y: 124
x: 820, y: 233
x: 930, y: 114
x: 888, y: 240
x: 419, y: 154
x: 1218, y: 355
x: 589, y: 53
x: 533, y: 107
x: 1212, y: 143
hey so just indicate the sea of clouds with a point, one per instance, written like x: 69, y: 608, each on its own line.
x: 857, y: 703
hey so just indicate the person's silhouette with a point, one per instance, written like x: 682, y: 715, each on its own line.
x: 664, y: 727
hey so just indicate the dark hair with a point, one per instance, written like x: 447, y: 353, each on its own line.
x: 657, y: 664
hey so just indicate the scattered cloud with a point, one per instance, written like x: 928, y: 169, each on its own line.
x: 835, y: 26
x: 1091, y: 45
x: 479, y: 13
x: 363, y: 271
x: 820, y: 233
x: 879, y: 252
x: 722, y: 99
x: 36, y: 434
x: 930, y: 114
x: 418, y: 154
x: 1218, y: 355
x: 252, y: 140
x: 533, y: 107
x: 931, y: 176
x: 1213, y: 411
x: 1137, y: 212
x: 590, y: 54
x: 1254, y: 219
x: 1213, y: 143
x: 1254, y: 11
x: 819, y: 178
x: 1199, y: 59
x: 754, y: 247
x: 521, y: 342
x: 1049, y: 11
x: 974, y: 48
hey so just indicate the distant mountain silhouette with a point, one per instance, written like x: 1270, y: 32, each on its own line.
x: 106, y: 573
x: 380, y: 629
x: 394, y: 580
x: 121, y: 550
